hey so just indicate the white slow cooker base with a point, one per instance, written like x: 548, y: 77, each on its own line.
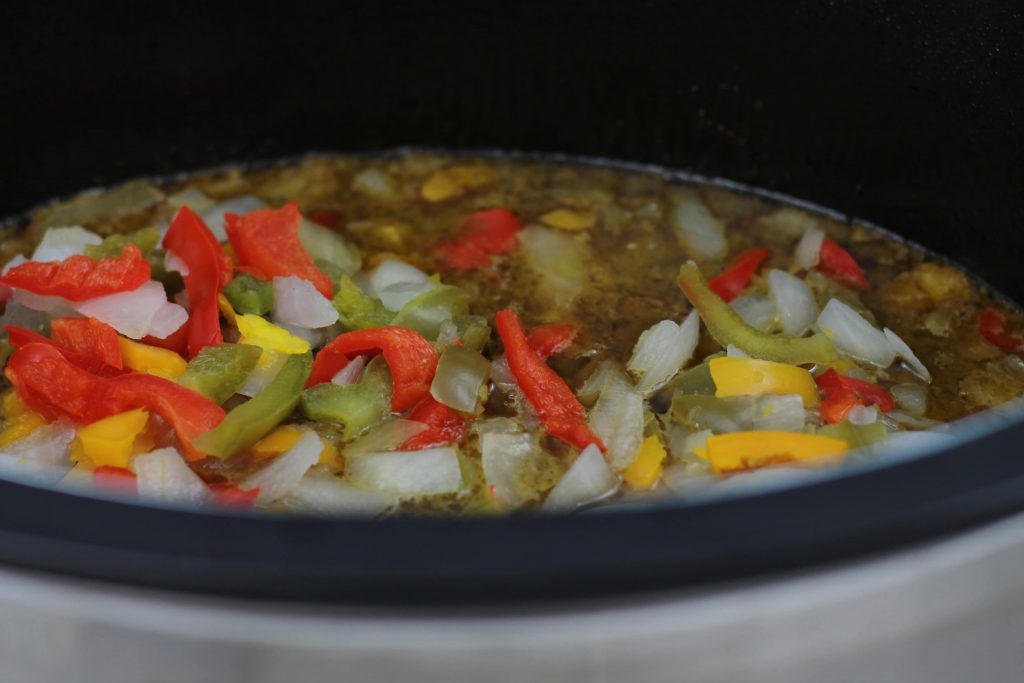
x: 947, y: 611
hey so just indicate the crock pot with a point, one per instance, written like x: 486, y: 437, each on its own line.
x: 907, y: 117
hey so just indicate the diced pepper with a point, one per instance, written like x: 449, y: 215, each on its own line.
x: 547, y: 340
x: 737, y: 277
x: 453, y: 182
x: 252, y: 420
x: 115, y: 479
x: 428, y: 311
x: 90, y: 337
x: 145, y: 239
x: 741, y: 451
x: 356, y: 309
x: 151, y: 360
x: 250, y: 295
x: 80, y: 278
x: 19, y: 420
x: 20, y: 337
x: 218, y: 371
x: 286, y: 436
x: 482, y: 235
x: 356, y: 406
x: 444, y: 425
x: 269, y: 337
x: 411, y: 359
x: 209, y: 270
x: 856, y: 436
x: 836, y: 262
x: 330, y: 248
x: 566, y: 219
x: 552, y: 399
x: 109, y: 441
x: 232, y: 496
x: 751, y: 377
x: 992, y: 326
x: 645, y: 469
x: 726, y: 326
x: 843, y: 393
x: 49, y: 383
x: 269, y: 241
x: 177, y: 341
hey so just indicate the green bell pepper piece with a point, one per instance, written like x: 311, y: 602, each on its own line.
x: 145, y: 239
x: 356, y: 309
x: 217, y: 371
x: 473, y: 330
x: 857, y: 436
x: 250, y: 295
x: 727, y: 327
x: 323, y: 243
x: 427, y: 311
x: 254, y: 419
x: 356, y: 406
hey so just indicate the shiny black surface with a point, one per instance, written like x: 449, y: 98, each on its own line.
x: 905, y: 116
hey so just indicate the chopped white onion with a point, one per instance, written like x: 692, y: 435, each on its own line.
x: 913, y: 398
x: 266, y: 370
x: 164, y: 475
x: 314, y: 337
x: 733, y: 351
x: 862, y: 415
x: 907, y: 354
x: 297, y: 302
x: 560, y: 262
x: 375, y: 183
x: 42, y: 456
x: 408, y: 474
x: 779, y: 413
x: 808, y: 249
x: 386, y: 436
x: 793, y: 300
x: 60, y: 243
x: 320, y: 493
x: 757, y: 311
x: 138, y: 313
x: 701, y: 235
x: 283, y: 475
x: 460, y: 373
x: 174, y: 264
x: 214, y: 216
x: 392, y: 272
x: 855, y: 336
x: 662, y: 351
x: 618, y: 418
x: 503, y: 455
x: 351, y: 373
x: 591, y: 389
x: 396, y: 296
x: 55, y: 306
x: 588, y: 480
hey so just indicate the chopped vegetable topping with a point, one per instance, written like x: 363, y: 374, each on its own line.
x: 750, y: 377
x: 79, y: 278
x: 483, y: 234
x: 729, y: 284
x: 837, y: 263
x: 992, y: 326
x: 749, y: 450
x: 842, y: 393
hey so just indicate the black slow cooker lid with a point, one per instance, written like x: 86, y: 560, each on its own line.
x: 906, y: 116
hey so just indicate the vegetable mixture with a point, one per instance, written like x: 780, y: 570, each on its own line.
x: 423, y: 333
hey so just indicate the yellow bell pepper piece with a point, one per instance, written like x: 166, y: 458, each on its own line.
x: 151, y: 360
x: 452, y: 182
x: 226, y: 310
x: 749, y: 450
x: 286, y: 436
x: 258, y: 332
x: 646, y: 466
x: 750, y: 377
x: 566, y: 219
x: 110, y: 441
x: 19, y: 420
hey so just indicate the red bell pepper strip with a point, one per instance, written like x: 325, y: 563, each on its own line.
x: 80, y: 278
x: 737, y: 277
x: 837, y: 263
x: 268, y: 240
x: 482, y: 234
x: 843, y: 393
x: 444, y: 425
x: 992, y: 326
x: 50, y: 384
x: 177, y: 341
x: 232, y: 496
x: 115, y: 479
x: 328, y: 219
x: 209, y: 270
x: 90, y: 337
x: 19, y: 337
x: 551, y: 398
x: 547, y: 340
x: 411, y: 359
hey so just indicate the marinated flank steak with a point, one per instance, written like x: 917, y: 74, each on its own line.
x: 426, y: 333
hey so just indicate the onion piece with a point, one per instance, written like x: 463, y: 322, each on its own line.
x: 164, y: 475
x: 320, y: 493
x: 270, y: 363
x: 408, y: 474
x: 587, y: 481
x: 591, y: 389
x: 913, y: 398
x: 174, y: 264
x: 397, y: 295
x: 60, y: 243
x: 214, y: 216
x: 138, y: 313
x: 375, y: 183
x: 559, y: 261
x: 351, y: 373
x: 683, y: 479
x: 503, y: 455
x: 907, y: 354
x: 42, y: 456
x: 460, y: 374
x: 757, y: 311
x: 55, y: 306
x: 386, y: 436
x: 281, y: 476
x: 779, y: 413
x: 662, y: 351
x: 862, y: 415
x: 392, y: 272
x: 701, y: 235
x: 314, y: 337
x: 855, y: 336
x: 297, y: 302
x: 808, y: 249
x: 618, y: 418
x: 793, y: 300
